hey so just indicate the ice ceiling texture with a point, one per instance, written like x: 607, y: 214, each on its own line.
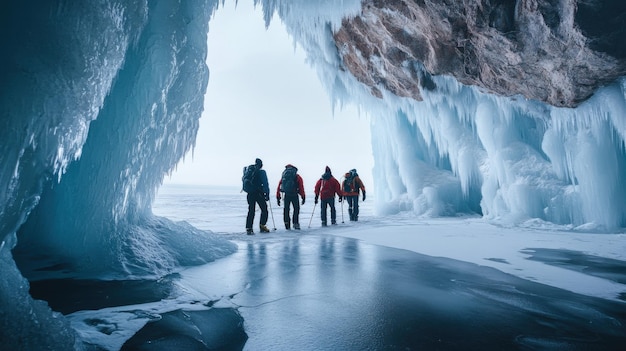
x: 513, y: 110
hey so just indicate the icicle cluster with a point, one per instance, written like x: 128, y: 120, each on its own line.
x: 461, y: 151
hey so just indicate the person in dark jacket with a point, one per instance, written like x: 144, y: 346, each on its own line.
x: 325, y: 189
x: 259, y: 195
x: 291, y: 185
x: 351, y: 186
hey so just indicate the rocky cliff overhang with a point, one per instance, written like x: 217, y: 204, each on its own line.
x: 558, y: 52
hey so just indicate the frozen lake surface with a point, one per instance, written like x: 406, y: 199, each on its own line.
x: 379, y: 284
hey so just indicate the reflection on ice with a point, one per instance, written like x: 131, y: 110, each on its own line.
x: 71, y: 295
x: 332, y: 288
x: 324, y: 292
x: 214, y: 329
x: 311, y: 291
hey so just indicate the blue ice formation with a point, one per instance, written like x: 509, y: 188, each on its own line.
x: 512, y: 160
x: 99, y: 102
x: 146, y: 123
x: 101, y: 99
x: 461, y: 151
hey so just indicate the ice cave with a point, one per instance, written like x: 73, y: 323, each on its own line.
x: 513, y: 110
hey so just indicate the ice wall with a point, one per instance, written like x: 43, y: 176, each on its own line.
x: 147, y: 122
x: 56, y: 71
x: 511, y: 160
x: 56, y: 78
x: 99, y: 101
x: 460, y: 151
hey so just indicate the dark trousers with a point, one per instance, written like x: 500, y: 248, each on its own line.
x: 353, y: 207
x: 291, y: 200
x: 253, y: 200
x: 333, y: 213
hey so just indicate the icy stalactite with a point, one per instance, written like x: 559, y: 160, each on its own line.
x: 103, y: 101
x: 520, y: 159
x: 462, y: 150
x: 57, y: 69
x: 148, y: 121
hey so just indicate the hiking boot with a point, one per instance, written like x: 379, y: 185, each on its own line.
x: 296, y: 226
x: 323, y: 224
x: 249, y: 231
x: 333, y: 222
x: 287, y: 226
x: 264, y: 229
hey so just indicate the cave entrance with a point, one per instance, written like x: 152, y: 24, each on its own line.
x: 263, y: 100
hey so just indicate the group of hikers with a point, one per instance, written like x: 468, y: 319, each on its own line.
x: 291, y: 191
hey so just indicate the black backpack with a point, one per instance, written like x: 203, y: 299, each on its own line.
x: 349, y: 184
x: 249, y: 178
x: 288, y: 184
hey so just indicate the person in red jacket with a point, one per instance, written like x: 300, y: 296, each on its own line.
x: 351, y: 186
x: 325, y: 189
x: 291, y: 185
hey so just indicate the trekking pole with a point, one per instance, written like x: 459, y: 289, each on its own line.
x: 342, y: 209
x: 272, y: 212
x: 318, y: 194
x: 344, y: 198
x: 312, y: 213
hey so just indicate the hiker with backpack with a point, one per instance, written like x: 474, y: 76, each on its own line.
x: 351, y: 186
x: 255, y: 184
x: 325, y: 189
x: 291, y: 185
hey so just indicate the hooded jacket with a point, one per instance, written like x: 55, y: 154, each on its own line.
x: 327, y: 186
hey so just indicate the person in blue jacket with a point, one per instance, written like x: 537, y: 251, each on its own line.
x: 260, y: 195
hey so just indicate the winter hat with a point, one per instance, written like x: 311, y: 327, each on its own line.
x: 327, y: 174
x: 258, y: 162
x: 289, y: 165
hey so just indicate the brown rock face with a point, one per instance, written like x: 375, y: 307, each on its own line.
x: 558, y: 52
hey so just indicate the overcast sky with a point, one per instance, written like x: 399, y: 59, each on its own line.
x: 263, y: 100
